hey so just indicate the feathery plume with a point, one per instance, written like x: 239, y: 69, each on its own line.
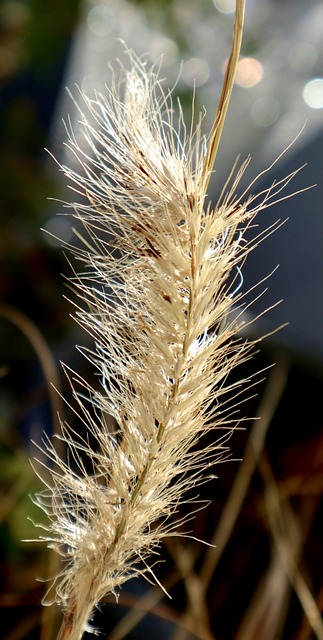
x: 159, y: 284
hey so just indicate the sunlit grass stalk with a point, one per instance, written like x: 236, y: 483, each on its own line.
x: 159, y: 282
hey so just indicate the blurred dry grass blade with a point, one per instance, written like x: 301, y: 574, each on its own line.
x: 252, y: 454
x: 38, y: 342
x: 286, y: 533
x: 144, y: 604
x: 21, y: 630
x: 266, y: 616
x: 53, y: 383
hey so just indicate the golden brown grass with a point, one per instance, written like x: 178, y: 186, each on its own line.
x: 159, y: 294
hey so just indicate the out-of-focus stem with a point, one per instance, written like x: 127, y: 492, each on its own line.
x: 34, y: 336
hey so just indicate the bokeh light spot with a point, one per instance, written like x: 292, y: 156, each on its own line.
x: 265, y: 111
x: 225, y: 6
x: 101, y: 20
x: 195, y: 72
x: 165, y: 47
x: 302, y: 57
x: 249, y: 72
x: 313, y: 93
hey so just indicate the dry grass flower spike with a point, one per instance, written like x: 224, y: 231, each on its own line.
x: 159, y: 280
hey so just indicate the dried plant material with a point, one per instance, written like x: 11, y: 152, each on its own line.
x: 159, y: 294
x: 252, y: 453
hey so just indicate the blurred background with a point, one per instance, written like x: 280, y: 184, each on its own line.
x: 264, y: 581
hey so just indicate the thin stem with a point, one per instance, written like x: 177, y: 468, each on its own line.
x: 221, y: 112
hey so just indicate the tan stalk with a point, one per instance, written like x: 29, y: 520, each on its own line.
x: 221, y: 112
